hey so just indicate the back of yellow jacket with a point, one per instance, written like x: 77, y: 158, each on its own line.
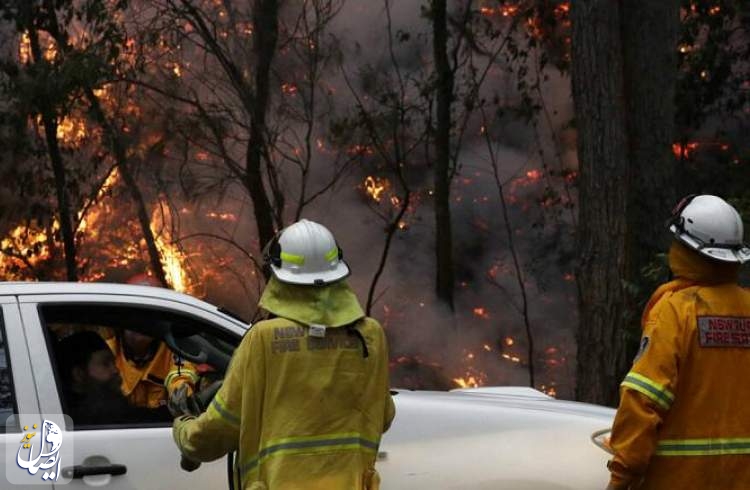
x: 306, y: 411
x: 682, y: 421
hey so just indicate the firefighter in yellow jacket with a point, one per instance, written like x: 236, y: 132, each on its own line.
x: 305, y: 399
x: 151, y: 376
x: 683, y: 417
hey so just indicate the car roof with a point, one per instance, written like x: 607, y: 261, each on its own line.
x: 105, y: 288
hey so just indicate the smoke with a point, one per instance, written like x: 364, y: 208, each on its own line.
x: 484, y: 338
x: 431, y: 346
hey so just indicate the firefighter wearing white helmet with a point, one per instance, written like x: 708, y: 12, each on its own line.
x: 711, y: 226
x: 306, y: 253
x: 306, y: 396
x: 677, y: 425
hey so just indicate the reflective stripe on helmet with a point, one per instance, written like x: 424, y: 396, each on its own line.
x: 332, y: 254
x: 703, y: 447
x: 651, y: 389
x: 293, y: 259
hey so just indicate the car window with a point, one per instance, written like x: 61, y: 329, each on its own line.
x: 115, y: 364
x: 7, y: 397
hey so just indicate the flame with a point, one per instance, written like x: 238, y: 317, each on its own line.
x: 289, y: 89
x: 71, y: 131
x: 26, y: 245
x: 534, y: 175
x: 374, y: 187
x: 501, y: 11
x: 472, y: 378
x: 481, y: 312
x: 24, y: 49
x: 172, y: 256
x: 362, y: 150
x: 549, y: 390
x: 685, y: 150
x: 222, y: 216
x: 468, y: 382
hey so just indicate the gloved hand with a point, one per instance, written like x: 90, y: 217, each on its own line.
x: 188, y: 464
x: 180, y: 403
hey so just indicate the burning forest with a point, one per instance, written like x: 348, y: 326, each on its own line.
x: 175, y: 137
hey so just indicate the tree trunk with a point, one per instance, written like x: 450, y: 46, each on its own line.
x: 144, y: 219
x: 265, y: 19
x: 624, y: 73
x: 649, y: 40
x: 443, y: 234
x: 598, y: 94
x: 49, y: 121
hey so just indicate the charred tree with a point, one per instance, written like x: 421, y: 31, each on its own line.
x: 254, y: 97
x: 442, y: 177
x: 49, y: 121
x: 266, y: 19
x: 649, y: 40
x: 598, y: 93
x: 118, y: 149
x: 622, y: 149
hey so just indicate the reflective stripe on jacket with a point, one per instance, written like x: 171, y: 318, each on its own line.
x: 682, y: 418
x: 305, y: 412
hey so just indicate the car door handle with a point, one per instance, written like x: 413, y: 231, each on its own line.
x: 79, y: 471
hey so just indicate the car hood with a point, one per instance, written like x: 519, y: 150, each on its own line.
x: 493, y: 438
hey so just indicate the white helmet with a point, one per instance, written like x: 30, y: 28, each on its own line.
x: 306, y: 253
x: 710, y: 226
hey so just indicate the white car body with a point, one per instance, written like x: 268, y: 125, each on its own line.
x: 499, y: 438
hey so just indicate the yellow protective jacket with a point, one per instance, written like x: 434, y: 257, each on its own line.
x: 682, y: 422
x: 144, y: 386
x: 303, y: 411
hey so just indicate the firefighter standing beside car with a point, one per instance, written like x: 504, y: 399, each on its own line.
x: 682, y: 421
x: 305, y: 399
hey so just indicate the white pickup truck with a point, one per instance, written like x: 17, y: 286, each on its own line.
x: 499, y: 438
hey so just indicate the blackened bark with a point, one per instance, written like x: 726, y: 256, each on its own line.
x: 444, y: 79
x: 649, y: 41
x: 49, y: 121
x: 598, y: 93
x: 265, y: 19
x: 624, y: 75
x: 118, y: 148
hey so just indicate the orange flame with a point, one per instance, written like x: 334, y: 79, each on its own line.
x: 374, y: 187
x: 481, y: 312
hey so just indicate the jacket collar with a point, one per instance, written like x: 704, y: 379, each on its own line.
x: 333, y: 305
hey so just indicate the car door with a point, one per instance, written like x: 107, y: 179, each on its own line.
x: 17, y: 395
x: 126, y: 456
